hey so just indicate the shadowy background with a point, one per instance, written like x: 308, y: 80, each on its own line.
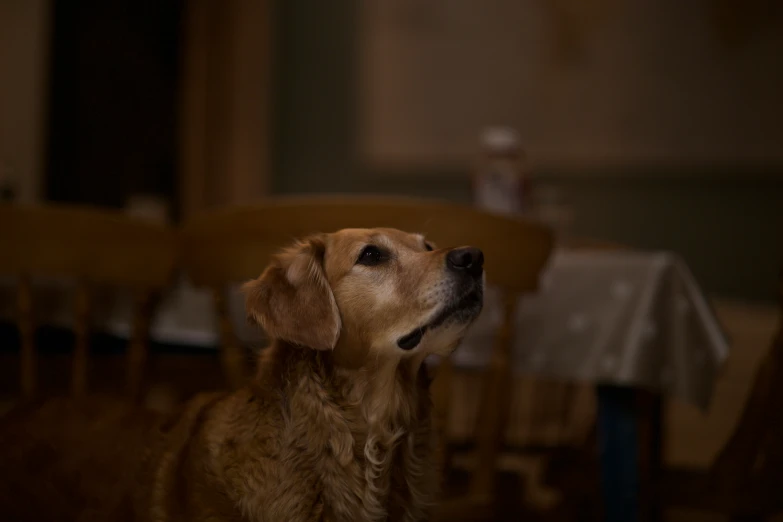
x: 657, y: 124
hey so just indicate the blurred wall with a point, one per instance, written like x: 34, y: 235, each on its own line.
x: 24, y: 40
x: 588, y: 83
x: 727, y: 223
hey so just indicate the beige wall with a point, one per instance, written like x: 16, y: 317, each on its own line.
x: 588, y: 83
x: 24, y: 38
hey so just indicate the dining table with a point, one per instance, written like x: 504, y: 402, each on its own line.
x: 635, y: 326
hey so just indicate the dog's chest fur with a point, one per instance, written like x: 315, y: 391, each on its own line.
x: 302, y: 444
x: 345, y: 449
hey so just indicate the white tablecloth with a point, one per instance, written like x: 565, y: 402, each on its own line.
x: 627, y: 318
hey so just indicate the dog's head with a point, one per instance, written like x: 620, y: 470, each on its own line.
x: 360, y: 292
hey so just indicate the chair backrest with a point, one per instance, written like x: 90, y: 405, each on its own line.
x: 755, y: 449
x: 235, y: 244
x: 92, y: 247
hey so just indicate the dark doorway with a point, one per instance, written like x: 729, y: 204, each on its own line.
x: 113, y: 103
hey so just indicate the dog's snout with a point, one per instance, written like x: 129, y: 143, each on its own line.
x: 467, y: 259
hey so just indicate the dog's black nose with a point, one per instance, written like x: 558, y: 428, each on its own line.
x: 467, y: 259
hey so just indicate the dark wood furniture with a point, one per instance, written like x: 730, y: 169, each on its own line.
x: 744, y: 481
x: 91, y: 248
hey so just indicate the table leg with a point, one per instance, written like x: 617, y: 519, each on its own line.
x: 629, y: 438
x: 650, y: 431
x: 617, y: 443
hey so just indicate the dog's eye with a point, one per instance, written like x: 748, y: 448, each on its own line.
x: 371, y: 255
x: 428, y: 247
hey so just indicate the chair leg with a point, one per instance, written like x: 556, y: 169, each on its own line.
x: 138, y: 350
x: 496, y: 403
x: 441, y: 394
x: 231, y: 353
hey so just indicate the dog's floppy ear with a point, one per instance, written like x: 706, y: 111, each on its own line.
x: 292, y: 300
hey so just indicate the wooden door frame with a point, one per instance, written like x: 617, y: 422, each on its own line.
x: 225, y: 103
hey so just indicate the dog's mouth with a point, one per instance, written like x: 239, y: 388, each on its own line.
x: 462, y: 310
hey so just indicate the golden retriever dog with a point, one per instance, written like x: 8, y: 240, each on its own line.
x: 335, y: 425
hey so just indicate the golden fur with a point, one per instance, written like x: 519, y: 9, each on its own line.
x: 335, y: 426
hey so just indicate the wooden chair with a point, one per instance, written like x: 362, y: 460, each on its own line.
x: 235, y: 244
x: 92, y: 247
x: 553, y: 421
x: 744, y: 480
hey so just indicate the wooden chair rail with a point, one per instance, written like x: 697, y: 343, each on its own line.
x: 91, y: 247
